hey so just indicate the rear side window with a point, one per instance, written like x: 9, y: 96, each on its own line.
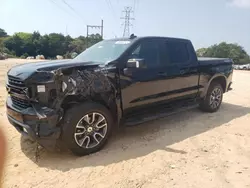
x: 177, y: 52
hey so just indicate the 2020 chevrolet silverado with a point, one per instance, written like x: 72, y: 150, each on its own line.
x: 76, y: 103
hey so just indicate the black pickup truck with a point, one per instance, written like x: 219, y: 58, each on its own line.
x: 77, y: 103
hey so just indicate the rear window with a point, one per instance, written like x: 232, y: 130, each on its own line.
x: 177, y: 52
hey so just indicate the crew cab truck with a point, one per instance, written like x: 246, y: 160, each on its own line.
x: 77, y: 103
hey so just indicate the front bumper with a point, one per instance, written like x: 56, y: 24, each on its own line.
x: 38, y: 123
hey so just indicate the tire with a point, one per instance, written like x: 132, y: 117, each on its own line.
x: 206, y: 104
x: 80, y: 134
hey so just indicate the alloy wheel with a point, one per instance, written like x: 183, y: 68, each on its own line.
x: 90, y: 130
x: 215, y: 98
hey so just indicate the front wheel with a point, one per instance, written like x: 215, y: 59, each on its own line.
x: 86, y: 128
x: 213, y: 99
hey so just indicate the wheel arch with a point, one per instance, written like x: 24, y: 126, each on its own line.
x: 220, y: 78
x: 107, y: 100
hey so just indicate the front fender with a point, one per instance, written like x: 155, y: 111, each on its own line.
x: 77, y: 86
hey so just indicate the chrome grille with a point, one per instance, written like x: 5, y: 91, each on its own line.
x: 20, y: 102
x: 13, y: 81
x: 17, y: 88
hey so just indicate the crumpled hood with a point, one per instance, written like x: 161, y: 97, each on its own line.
x: 24, y: 71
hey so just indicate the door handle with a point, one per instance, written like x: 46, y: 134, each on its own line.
x: 184, y: 70
x: 162, y: 74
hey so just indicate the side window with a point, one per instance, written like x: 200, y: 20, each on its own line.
x: 177, y: 52
x: 149, y: 50
x: 136, y: 52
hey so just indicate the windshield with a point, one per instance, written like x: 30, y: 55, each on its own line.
x: 104, y: 51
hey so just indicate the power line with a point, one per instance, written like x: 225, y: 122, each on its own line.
x: 127, y: 18
x: 68, y: 5
x: 54, y: 2
x: 111, y: 7
x: 113, y: 12
x: 59, y: 6
x: 134, y: 5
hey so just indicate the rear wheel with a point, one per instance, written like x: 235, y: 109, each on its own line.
x: 86, y: 128
x: 213, y: 99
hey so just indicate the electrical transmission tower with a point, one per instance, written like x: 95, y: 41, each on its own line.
x: 127, y: 18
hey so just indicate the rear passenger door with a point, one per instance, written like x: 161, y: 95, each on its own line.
x: 180, y: 66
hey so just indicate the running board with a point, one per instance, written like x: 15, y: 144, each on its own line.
x: 143, y: 118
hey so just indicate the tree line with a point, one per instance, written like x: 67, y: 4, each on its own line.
x: 225, y: 50
x: 50, y: 45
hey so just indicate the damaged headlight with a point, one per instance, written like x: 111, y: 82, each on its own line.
x: 42, y: 77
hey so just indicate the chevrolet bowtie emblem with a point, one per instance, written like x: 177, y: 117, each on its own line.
x: 26, y: 91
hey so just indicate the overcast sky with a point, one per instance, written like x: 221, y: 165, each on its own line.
x: 205, y: 22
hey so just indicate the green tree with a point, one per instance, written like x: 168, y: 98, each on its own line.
x: 3, y: 33
x: 44, y: 46
x: 1, y: 44
x: 200, y: 52
x: 3, y: 36
x: 15, y: 44
x: 55, y: 44
x: 49, y: 45
x: 94, y: 38
x: 78, y: 45
x: 27, y: 43
x: 225, y: 50
x: 36, y: 41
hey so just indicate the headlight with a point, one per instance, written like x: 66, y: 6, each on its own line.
x: 42, y: 77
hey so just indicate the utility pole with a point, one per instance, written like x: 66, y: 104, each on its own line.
x: 127, y: 18
x: 94, y: 27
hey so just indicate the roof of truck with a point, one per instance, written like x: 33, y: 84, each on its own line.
x: 145, y: 37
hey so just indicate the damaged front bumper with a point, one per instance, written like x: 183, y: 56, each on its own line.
x: 37, y: 123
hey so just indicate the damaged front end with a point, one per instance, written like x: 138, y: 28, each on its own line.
x: 35, y: 106
x: 29, y: 123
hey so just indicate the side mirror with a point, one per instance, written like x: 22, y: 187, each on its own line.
x: 135, y: 63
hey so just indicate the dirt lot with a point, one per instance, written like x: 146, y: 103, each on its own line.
x: 191, y: 149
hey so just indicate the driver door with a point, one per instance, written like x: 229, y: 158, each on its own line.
x: 140, y: 87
